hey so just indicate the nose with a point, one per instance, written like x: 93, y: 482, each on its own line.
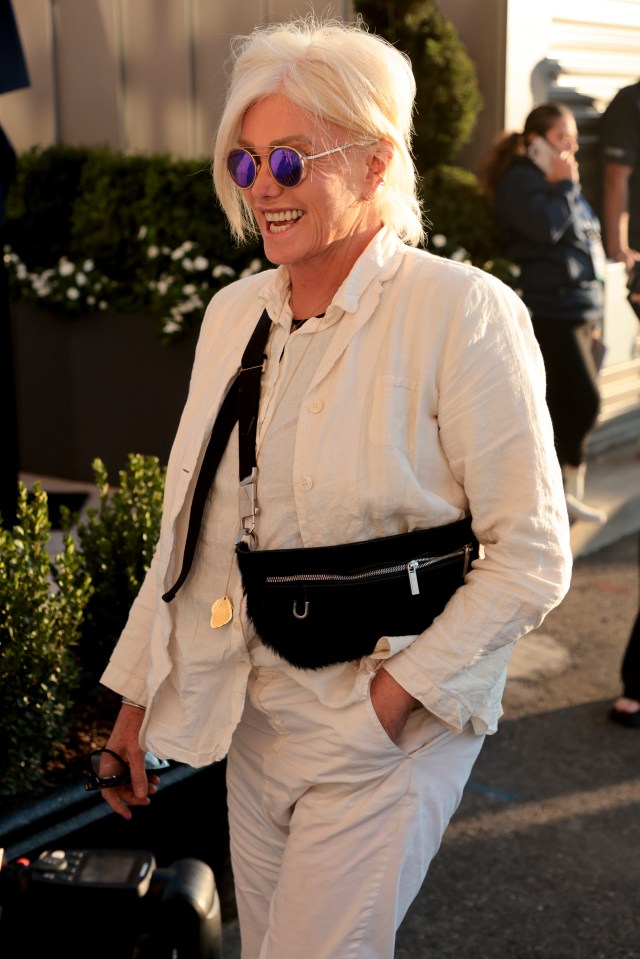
x: 264, y: 184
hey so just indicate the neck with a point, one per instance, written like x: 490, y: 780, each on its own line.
x: 316, y: 280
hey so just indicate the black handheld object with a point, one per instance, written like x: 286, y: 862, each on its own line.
x: 109, y: 904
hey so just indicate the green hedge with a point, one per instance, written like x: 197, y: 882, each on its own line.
x: 88, y: 228
x: 88, y: 202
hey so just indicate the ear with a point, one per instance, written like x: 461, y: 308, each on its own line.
x: 377, y: 162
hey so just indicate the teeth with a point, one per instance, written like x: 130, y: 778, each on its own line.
x: 281, y: 216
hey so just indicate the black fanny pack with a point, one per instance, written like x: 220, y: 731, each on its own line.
x: 331, y: 604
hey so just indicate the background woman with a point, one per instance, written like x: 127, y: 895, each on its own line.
x: 549, y: 230
x: 401, y: 391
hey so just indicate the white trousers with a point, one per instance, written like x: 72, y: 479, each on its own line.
x: 332, y: 825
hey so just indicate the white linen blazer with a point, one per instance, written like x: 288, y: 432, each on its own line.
x: 428, y: 404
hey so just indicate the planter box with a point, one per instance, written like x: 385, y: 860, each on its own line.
x: 100, y: 385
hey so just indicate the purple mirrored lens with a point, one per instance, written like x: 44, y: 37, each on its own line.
x: 242, y: 168
x: 286, y: 166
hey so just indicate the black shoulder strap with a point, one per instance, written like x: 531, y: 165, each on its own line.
x: 245, y: 390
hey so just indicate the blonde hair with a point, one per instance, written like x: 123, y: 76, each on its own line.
x: 336, y: 72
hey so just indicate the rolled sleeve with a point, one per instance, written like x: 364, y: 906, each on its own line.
x: 497, y: 435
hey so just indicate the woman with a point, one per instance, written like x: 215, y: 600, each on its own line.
x: 401, y: 391
x: 548, y: 229
x: 626, y: 709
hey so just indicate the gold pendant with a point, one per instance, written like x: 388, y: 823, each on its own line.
x: 221, y: 612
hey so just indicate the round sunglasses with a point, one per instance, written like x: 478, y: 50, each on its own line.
x: 286, y: 165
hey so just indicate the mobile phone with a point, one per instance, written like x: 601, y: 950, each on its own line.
x: 542, y: 153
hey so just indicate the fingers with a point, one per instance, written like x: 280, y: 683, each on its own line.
x: 124, y: 741
x: 122, y: 798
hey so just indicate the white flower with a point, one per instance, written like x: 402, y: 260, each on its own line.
x: 153, y: 252
x: 459, y: 254
x: 193, y: 303
x: 201, y: 263
x: 163, y: 285
x: 21, y: 271
x: 142, y: 232
x: 514, y: 269
x: 189, y: 289
x: 91, y: 300
x: 222, y: 270
x: 65, y: 267
x: 180, y: 251
x: 187, y: 264
x: 81, y: 279
x: 439, y: 240
x: 73, y: 294
x: 254, y: 267
x: 88, y: 266
x: 171, y: 326
x: 103, y: 305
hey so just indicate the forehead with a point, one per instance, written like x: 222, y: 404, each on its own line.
x: 565, y: 126
x: 276, y: 120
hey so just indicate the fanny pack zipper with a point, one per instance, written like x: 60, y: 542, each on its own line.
x: 412, y: 568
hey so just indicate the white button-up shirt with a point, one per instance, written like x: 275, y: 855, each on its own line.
x: 418, y: 398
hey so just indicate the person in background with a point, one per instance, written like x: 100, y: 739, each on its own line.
x: 399, y: 391
x: 620, y: 146
x: 13, y: 76
x: 626, y: 709
x: 547, y: 227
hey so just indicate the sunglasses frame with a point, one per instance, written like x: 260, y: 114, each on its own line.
x: 94, y: 781
x: 303, y: 157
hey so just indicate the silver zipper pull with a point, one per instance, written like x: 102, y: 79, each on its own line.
x: 412, y: 566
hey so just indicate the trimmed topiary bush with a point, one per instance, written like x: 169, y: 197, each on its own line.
x: 448, y: 97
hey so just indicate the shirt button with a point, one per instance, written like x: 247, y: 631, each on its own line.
x: 315, y: 406
x: 305, y: 483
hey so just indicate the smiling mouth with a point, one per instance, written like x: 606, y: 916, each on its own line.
x: 282, y: 220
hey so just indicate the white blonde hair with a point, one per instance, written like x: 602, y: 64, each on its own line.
x: 336, y: 72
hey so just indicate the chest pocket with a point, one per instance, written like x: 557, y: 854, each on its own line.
x: 393, y: 413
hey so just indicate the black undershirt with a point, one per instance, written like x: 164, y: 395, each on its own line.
x: 296, y: 324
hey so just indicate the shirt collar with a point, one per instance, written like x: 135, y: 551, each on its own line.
x: 378, y: 262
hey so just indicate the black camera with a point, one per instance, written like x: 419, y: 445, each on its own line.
x: 109, y: 904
